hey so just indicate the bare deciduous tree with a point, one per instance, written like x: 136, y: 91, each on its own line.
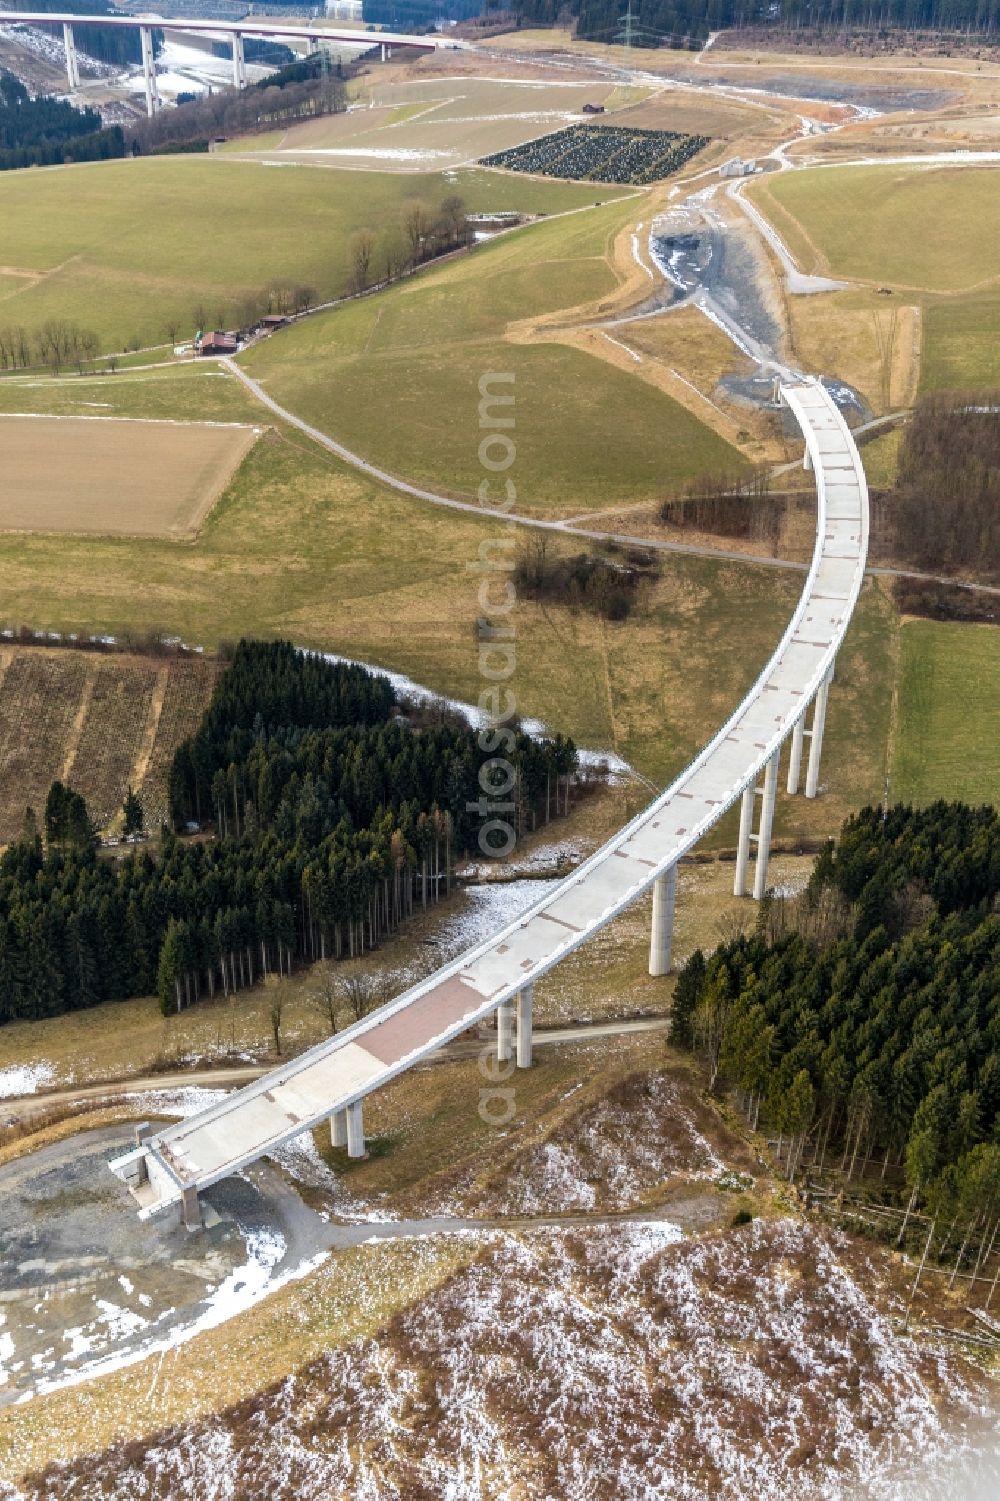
x: 362, y: 250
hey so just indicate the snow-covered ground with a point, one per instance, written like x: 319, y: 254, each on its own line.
x: 410, y: 692
x: 606, y: 1363
x: 24, y: 1078
x: 90, y: 1348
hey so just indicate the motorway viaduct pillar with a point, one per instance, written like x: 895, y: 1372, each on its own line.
x: 505, y: 1032
x: 816, y: 735
x: 355, y: 1130
x: 149, y: 70
x: 767, y: 793
x: 662, y: 930
x: 524, y: 1008
x: 72, y: 63
x: 239, y: 62
x: 795, y: 758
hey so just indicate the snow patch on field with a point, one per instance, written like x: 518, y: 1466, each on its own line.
x: 378, y: 153
x: 409, y: 691
x: 612, y: 1363
x: 303, y: 1164
x: 606, y: 1156
x: 240, y: 1290
x: 24, y: 1078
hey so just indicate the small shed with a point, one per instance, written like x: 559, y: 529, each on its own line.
x: 593, y: 109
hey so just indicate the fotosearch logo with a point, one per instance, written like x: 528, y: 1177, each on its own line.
x: 495, y: 629
x: 496, y: 639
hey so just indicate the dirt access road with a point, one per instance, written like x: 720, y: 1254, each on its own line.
x: 23, y: 1107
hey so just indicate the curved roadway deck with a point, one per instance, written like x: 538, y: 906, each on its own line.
x: 330, y: 1077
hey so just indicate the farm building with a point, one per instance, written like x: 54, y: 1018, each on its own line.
x: 217, y: 343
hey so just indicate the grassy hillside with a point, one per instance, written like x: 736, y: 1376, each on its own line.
x: 961, y: 343
x: 934, y: 229
x: 949, y: 714
x: 303, y: 547
x: 124, y: 247
x: 396, y: 378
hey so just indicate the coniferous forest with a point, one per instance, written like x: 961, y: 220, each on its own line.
x: 660, y: 23
x: 861, y: 1021
x: 43, y: 132
x: 333, y: 818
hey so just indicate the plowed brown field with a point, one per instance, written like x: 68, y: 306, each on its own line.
x: 112, y: 476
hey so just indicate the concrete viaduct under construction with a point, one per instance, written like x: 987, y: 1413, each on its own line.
x: 218, y: 30
x: 741, y: 764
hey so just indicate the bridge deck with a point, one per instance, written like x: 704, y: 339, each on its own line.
x: 270, y: 26
x: 300, y: 1094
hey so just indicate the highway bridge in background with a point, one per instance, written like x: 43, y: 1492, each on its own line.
x: 270, y: 27
x: 786, y: 703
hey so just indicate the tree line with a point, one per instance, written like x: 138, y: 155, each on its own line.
x: 608, y: 584
x: 299, y: 91
x: 657, y: 23
x: 333, y: 818
x: 422, y: 233
x: 43, y: 131
x: 57, y: 342
x: 862, y: 1021
x: 729, y: 503
x: 944, y: 509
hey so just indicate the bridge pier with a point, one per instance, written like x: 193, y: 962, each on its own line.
x: 72, y: 62
x: 239, y: 62
x: 766, y: 822
x: 762, y: 838
x: 525, y: 999
x: 149, y: 70
x: 743, y: 846
x: 816, y: 734
x: 355, y: 1130
x: 338, y: 1128
x: 795, y: 758
x: 807, y: 462
x: 505, y: 1031
x: 662, y: 930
